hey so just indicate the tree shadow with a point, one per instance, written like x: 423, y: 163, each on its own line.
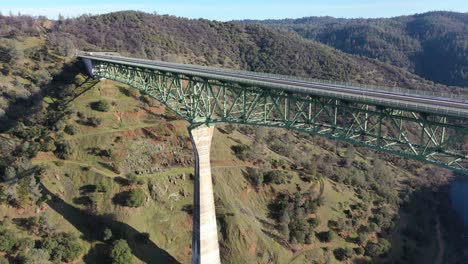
x: 122, y: 181
x: 88, y: 188
x: 99, y: 253
x: 91, y: 225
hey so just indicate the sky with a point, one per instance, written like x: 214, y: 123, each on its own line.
x: 235, y: 9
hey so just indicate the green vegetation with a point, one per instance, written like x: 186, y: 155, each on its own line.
x: 101, y: 105
x: 62, y: 247
x: 427, y: 44
x: 70, y: 129
x: 77, y: 156
x: 133, y: 198
x: 121, y: 252
x: 7, y: 240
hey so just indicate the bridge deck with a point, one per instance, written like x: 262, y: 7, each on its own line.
x: 445, y: 105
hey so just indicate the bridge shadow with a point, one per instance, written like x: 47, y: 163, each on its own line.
x: 92, y: 226
x: 59, y: 92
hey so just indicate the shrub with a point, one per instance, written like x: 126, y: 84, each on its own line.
x: 94, y: 121
x: 276, y: 177
x: 102, y: 188
x: 314, y: 222
x: 358, y: 250
x: 9, y: 173
x: 242, y: 152
x: 101, y: 106
x: 377, y: 249
x: 134, y: 180
x: 34, y: 256
x: 136, y: 198
x: 3, y: 260
x: 70, y: 129
x: 256, y: 176
x: 63, y: 150
x: 121, y: 252
x: 326, y: 236
x: 133, y: 198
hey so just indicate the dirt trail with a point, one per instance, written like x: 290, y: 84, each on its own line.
x: 95, y: 169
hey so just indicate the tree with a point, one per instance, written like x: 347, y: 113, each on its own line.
x: 62, y: 246
x: 121, y: 252
x: 10, y: 54
x: 63, y: 150
x: 343, y: 254
x: 34, y: 188
x: 133, y: 198
x: 70, y: 129
x: 9, y: 174
x: 101, y: 106
x: 25, y: 244
x: 101, y: 187
x: 362, y: 238
x: 7, y: 240
x: 326, y: 236
x: 34, y: 256
x: 94, y: 121
x: 377, y: 249
x: 107, y: 234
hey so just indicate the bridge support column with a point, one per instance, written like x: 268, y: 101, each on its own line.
x: 205, y: 248
x: 89, y: 67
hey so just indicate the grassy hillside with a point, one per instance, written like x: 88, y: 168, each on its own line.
x: 433, y: 45
x: 87, y: 166
x: 151, y: 152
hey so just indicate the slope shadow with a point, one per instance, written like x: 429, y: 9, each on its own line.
x: 91, y: 227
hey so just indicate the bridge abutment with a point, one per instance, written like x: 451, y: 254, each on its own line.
x: 205, y: 247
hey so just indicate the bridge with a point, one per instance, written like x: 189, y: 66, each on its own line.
x: 428, y: 127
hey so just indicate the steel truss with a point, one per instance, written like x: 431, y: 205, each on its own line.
x: 432, y: 138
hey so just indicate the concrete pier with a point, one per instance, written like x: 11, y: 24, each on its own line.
x: 205, y: 247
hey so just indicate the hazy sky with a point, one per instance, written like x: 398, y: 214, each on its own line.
x: 235, y: 9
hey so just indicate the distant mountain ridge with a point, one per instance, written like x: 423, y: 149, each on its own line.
x: 433, y: 45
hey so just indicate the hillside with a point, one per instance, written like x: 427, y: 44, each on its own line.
x: 248, y: 47
x: 432, y: 45
x: 90, y: 167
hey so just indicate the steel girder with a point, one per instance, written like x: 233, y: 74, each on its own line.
x: 436, y: 139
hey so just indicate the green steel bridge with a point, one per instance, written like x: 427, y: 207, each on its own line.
x: 426, y: 127
x: 422, y: 126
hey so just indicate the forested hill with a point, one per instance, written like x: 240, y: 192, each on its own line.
x: 433, y: 45
x: 250, y: 47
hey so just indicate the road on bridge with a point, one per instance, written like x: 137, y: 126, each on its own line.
x: 437, y: 104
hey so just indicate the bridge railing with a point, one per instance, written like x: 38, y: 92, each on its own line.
x: 456, y: 93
